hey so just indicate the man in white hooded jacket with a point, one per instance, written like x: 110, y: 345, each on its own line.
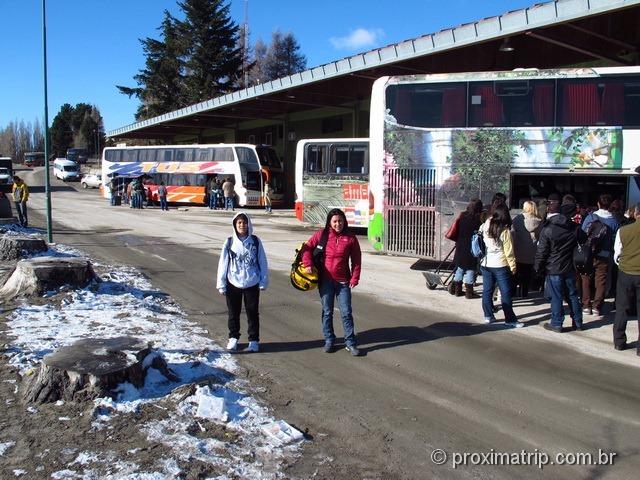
x: 242, y: 272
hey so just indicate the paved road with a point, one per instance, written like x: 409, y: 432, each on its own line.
x: 429, y: 380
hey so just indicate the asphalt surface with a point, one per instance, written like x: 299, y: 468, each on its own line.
x: 430, y: 379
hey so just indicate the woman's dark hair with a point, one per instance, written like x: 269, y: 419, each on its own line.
x: 330, y: 215
x: 499, y: 221
x: 235, y: 220
x: 474, y: 209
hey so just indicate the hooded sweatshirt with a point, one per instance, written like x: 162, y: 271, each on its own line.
x: 248, y: 267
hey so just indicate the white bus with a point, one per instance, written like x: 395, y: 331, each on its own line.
x: 187, y: 170
x: 333, y: 173
x: 437, y: 141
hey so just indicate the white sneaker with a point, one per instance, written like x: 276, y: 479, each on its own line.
x: 514, y: 324
x: 253, y: 347
x: 232, y: 344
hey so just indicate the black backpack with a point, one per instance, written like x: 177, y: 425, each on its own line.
x: 583, y: 258
x: 598, y: 235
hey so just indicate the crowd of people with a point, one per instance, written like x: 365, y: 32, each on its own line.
x: 575, y: 255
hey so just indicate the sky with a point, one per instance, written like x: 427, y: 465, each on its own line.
x: 92, y: 45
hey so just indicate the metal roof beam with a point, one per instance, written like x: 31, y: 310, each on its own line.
x: 306, y: 104
x: 625, y: 45
x: 568, y: 46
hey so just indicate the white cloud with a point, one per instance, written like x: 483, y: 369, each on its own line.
x: 358, y: 38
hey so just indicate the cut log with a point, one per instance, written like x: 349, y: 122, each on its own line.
x: 93, y: 368
x: 34, y: 276
x: 13, y: 247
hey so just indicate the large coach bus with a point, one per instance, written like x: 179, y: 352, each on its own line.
x: 272, y: 172
x: 438, y: 141
x: 333, y: 173
x: 187, y: 170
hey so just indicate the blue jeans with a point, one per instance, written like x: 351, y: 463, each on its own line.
x: 329, y: 290
x: 502, y: 278
x: 228, y: 203
x: 558, y: 285
x: 21, y: 208
x: 163, y: 203
x: 469, y: 275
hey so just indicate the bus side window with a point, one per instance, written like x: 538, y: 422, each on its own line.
x: 166, y: 156
x: 340, y: 159
x: 357, y: 159
x: 314, y: 158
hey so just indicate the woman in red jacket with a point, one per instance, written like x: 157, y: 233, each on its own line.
x: 338, y: 264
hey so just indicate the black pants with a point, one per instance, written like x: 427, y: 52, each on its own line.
x: 627, y: 291
x: 251, y: 297
x: 524, y: 273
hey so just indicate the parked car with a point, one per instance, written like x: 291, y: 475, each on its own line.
x: 91, y: 180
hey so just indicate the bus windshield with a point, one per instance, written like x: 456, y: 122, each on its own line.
x: 333, y: 173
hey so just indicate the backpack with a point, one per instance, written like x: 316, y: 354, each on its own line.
x: 597, y: 235
x: 583, y: 258
x: 300, y: 279
x: 478, y: 247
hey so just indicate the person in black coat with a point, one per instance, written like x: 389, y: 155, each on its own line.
x: 466, y: 264
x: 554, y: 258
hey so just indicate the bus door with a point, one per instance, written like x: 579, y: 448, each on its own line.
x: 586, y: 187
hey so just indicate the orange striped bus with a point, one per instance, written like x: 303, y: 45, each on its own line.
x: 187, y: 171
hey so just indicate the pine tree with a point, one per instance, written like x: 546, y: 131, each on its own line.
x: 61, y: 131
x: 213, y: 58
x: 283, y: 56
x: 161, y: 82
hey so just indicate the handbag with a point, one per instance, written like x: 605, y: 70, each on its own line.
x: 452, y: 233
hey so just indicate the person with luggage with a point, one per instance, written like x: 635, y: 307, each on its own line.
x: 466, y: 264
x: 600, y: 227
x: 243, y: 272
x: 498, y: 265
x: 526, y: 229
x: 335, y: 252
x: 554, y: 259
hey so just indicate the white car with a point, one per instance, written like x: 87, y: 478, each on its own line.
x: 91, y: 180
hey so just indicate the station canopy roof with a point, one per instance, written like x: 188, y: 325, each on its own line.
x: 555, y: 34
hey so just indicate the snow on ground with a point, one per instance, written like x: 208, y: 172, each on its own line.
x: 124, y: 303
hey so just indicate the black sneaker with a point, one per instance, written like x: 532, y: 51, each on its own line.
x: 328, y: 347
x: 622, y: 346
x: 353, y: 350
x: 552, y: 328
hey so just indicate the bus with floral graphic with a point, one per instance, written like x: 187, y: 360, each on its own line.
x: 438, y: 141
x: 187, y: 171
x: 333, y: 173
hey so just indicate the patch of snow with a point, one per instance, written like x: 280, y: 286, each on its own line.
x: 124, y: 303
x: 62, y: 474
x: 282, y: 433
x: 5, y: 446
x: 31, y: 409
x: 18, y: 472
x: 64, y: 419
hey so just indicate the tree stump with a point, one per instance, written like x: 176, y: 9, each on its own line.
x: 13, y: 247
x: 34, y: 276
x: 92, y: 368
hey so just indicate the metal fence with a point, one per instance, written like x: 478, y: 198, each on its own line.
x: 412, y: 226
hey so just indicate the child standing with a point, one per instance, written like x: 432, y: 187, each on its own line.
x: 242, y: 272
